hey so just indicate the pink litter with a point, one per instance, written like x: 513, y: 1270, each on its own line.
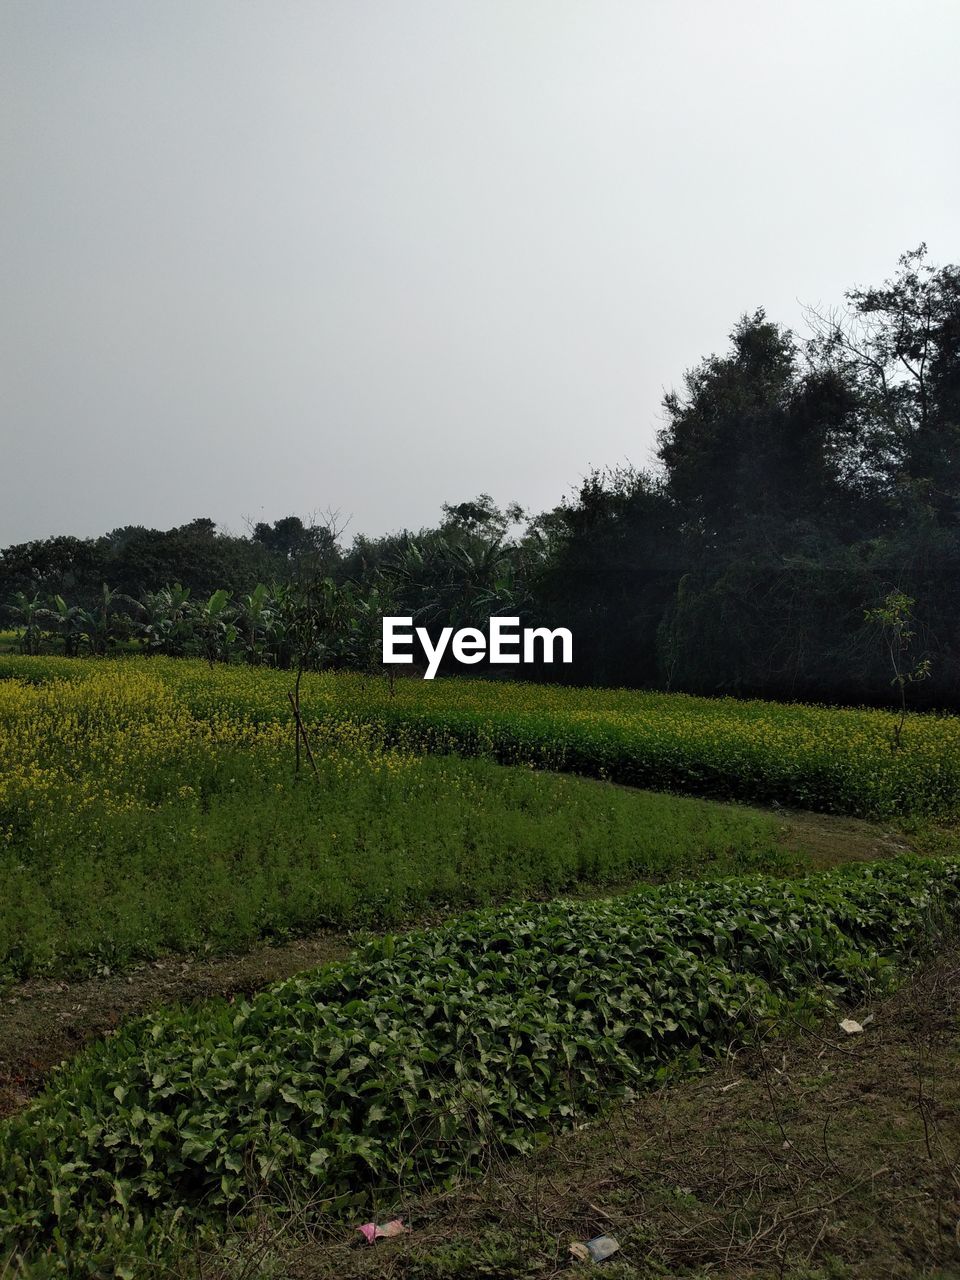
x: 376, y: 1231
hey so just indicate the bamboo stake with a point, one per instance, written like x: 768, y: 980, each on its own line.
x: 302, y: 733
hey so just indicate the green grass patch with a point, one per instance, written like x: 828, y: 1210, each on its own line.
x: 134, y: 820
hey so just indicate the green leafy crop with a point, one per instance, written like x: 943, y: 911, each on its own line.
x: 404, y: 1063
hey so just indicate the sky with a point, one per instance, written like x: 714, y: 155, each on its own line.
x: 269, y: 257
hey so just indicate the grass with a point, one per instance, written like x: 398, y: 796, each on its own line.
x: 135, y: 820
x: 11, y: 640
x: 44, y: 1020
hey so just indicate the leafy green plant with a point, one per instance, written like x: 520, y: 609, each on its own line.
x: 65, y: 621
x: 28, y: 612
x: 404, y: 1064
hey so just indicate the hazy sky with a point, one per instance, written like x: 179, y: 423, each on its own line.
x: 264, y: 256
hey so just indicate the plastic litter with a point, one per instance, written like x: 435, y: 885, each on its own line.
x: 372, y: 1231
x: 850, y: 1027
x: 595, y: 1250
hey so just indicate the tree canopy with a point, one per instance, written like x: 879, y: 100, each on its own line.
x: 800, y: 483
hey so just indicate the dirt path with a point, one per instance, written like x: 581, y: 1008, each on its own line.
x: 826, y: 840
x: 44, y: 1021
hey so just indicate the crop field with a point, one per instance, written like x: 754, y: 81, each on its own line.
x: 823, y: 758
x: 148, y: 807
x: 151, y: 807
x: 396, y: 1066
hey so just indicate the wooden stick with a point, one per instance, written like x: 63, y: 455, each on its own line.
x: 302, y: 733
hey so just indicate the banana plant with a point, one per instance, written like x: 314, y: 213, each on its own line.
x: 28, y: 611
x: 164, y: 625
x: 278, y: 628
x: 215, y: 631
x: 254, y: 615
x: 105, y: 624
x: 360, y: 627
x: 66, y: 622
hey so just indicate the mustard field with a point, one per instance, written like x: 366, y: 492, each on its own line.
x: 150, y: 806
x: 832, y: 759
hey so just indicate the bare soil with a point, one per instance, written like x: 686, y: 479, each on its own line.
x: 43, y: 1022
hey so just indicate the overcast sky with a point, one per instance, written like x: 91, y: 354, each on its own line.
x: 264, y: 256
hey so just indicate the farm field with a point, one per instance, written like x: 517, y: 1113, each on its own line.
x: 151, y: 805
x: 146, y: 808
x: 479, y: 642
x: 807, y: 1159
x: 402, y: 1065
x: 149, y: 808
x: 829, y: 759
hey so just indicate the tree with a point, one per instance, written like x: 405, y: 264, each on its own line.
x: 757, y: 443
x: 610, y: 560
x: 290, y: 542
x: 28, y: 612
x: 895, y: 620
x: 899, y: 344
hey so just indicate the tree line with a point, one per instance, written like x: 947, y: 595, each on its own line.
x: 803, y: 516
